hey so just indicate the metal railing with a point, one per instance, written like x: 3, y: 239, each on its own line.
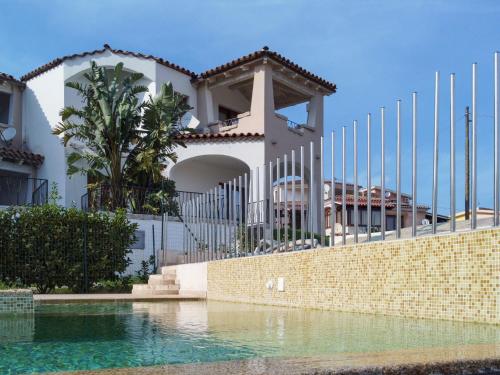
x: 135, y: 200
x: 21, y: 190
x: 220, y: 233
x: 293, y: 125
x: 229, y: 122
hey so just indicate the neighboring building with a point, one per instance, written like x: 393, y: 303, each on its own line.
x: 390, y: 206
x: 481, y: 212
x: 18, y: 165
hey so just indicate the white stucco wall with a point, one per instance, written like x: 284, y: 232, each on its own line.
x: 249, y: 151
x: 43, y: 98
x: 192, y: 278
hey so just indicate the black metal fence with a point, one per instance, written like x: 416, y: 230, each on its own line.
x: 18, y: 190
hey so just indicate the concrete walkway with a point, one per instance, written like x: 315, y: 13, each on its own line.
x: 75, y: 298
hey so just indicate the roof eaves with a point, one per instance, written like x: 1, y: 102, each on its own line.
x: 56, y: 62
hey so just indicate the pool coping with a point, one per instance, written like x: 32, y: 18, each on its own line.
x: 82, y: 298
x: 482, y: 358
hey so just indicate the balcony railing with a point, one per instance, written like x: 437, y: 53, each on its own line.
x: 135, y: 200
x: 229, y: 122
x: 17, y: 190
x: 293, y: 125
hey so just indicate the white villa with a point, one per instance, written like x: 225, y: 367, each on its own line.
x: 234, y: 116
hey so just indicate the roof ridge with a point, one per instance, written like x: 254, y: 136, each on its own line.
x: 263, y: 52
x: 106, y: 47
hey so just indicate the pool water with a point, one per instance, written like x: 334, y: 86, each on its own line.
x: 110, y: 335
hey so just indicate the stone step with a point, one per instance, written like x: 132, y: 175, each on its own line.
x: 164, y: 287
x: 168, y: 271
x: 161, y: 280
x: 144, y: 289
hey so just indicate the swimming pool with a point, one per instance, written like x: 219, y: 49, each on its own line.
x: 63, y: 337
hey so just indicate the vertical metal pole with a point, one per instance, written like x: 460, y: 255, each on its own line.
x: 294, y: 216
x: 344, y: 209
x: 496, y: 199
x: 382, y: 174
x: 278, y: 201
x: 322, y: 190
x: 333, y: 209
x: 247, y: 215
x: 285, y: 198
x: 234, y: 237
x: 436, y: 155
x: 302, y: 178
x: 398, y: 168
x: 224, y: 213
x: 452, y: 153
x: 198, y: 226
x: 355, y: 171
x: 205, y: 226
x: 474, y: 147
x: 258, y: 210
x: 271, y: 206
x: 251, y: 211
x: 414, y: 165
x: 187, y: 224
x: 240, y: 215
x: 213, y: 212
x: 312, y: 194
x: 369, y: 178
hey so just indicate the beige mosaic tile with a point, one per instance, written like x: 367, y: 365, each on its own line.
x: 454, y: 276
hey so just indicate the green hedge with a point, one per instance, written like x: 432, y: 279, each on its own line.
x: 50, y: 246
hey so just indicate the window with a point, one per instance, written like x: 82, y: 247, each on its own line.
x: 226, y: 113
x: 4, y: 107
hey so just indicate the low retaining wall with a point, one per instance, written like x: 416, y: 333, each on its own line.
x: 192, y: 279
x: 455, y: 276
x: 16, y: 301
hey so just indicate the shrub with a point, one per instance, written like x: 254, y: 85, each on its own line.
x: 50, y: 246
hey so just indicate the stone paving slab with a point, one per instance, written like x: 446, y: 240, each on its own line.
x: 76, y: 298
x: 469, y: 359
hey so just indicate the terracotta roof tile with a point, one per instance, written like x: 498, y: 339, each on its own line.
x: 265, y: 52
x: 376, y: 202
x: 19, y: 156
x: 9, y: 78
x: 191, y: 137
x: 56, y: 62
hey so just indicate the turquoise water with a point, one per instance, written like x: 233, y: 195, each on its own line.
x: 94, y: 336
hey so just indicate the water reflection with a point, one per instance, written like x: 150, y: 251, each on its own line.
x: 92, y: 336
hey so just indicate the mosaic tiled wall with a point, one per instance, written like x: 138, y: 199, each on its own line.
x: 454, y: 276
x: 16, y: 301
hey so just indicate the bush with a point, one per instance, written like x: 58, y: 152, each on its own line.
x: 50, y: 246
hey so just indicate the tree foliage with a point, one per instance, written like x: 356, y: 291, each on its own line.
x: 118, y: 139
x: 50, y: 246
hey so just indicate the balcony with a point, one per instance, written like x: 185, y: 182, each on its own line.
x: 19, y: 190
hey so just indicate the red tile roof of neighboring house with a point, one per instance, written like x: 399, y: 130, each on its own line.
x: 19, y: 156
x: 376, y: 202
x: 9, y: 78
x: 265, y: 52
x: 56, y: 62
x: 193, y: 137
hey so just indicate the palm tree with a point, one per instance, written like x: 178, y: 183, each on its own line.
x: 121, y: 140
x: 160, y: 130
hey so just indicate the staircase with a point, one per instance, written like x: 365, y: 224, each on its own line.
x: 159, y: 285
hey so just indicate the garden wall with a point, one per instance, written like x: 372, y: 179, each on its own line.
x: 455, y: 276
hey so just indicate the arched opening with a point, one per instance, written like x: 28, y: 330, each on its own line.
x: 202, y: 173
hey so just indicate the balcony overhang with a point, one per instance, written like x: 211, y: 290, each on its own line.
x: 17, y: 156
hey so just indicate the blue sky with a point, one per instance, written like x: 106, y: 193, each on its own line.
x: 375, y: 51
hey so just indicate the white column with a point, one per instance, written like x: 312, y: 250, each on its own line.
x: 206, y: 110
x: 262, y: 106
x: 315, y: 112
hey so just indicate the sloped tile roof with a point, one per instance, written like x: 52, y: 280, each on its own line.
x: 265, y: 52
x: 216, y: 136
x: 56, y: 62
x: 18, y: 156
x: 9, y: 78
